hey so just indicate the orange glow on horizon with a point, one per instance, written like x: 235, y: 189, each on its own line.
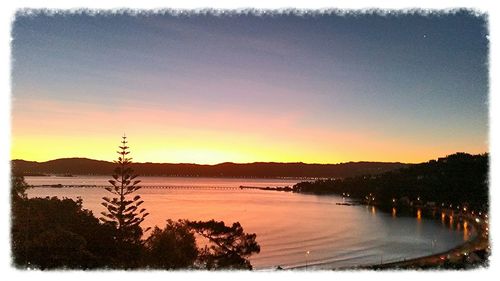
x: 45, y: 148
x: 214, y: 89
x: 162, y: 136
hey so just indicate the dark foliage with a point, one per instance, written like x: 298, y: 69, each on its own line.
x: 19, y: 187
x: 456, y: 179
x: 51, y: 233
x: 123, y: 210
x: 229, y: 247
x: 173, y: 247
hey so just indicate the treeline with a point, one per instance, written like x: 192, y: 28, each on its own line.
x: 83, y: 166
x: 458, y: 179
x: 50, y: 233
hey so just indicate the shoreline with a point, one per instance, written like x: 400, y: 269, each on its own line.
x: 472, y: 253
x: 460, y: 256
x: 479, y: 241
x: 467, y: 254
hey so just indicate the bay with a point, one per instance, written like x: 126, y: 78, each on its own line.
x: 293, y: 230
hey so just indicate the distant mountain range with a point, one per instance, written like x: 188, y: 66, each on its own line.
x: 84, y: 166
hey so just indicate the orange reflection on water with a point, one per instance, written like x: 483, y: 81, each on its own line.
x: 466, y: 231
x: 393, y: 212
x: 333, y: 223
x: 419, y: 214
x: 443, y: 217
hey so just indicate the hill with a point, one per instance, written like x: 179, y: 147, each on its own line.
x: 458, y: 179
x: 84, y: 166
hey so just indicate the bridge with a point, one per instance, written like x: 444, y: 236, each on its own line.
x: 142, y: 186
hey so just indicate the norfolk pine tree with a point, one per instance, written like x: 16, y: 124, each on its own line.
x: 123, y: 210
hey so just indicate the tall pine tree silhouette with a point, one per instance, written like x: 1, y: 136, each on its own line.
x: 123, y: 209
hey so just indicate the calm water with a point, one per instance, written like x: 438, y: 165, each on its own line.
x: 287, y: 224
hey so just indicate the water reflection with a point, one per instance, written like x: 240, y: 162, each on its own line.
x: 466, y: 231
x: 287, y: 224
x: 393, y: 212
x: 419, y: 215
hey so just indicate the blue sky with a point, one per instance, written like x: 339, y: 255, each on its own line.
x: 316, y: 88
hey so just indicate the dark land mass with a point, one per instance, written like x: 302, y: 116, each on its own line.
x: 84, y: 166
x: 457, y: 181
x: 453, y: 189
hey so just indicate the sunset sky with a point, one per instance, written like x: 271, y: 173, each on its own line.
x: 243, y: 88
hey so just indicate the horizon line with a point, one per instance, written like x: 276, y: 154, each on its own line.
x: 229, y: 162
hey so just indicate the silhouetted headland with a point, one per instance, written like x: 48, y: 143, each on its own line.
x: 457, y: 181
x: 84, y: 166
x: 453, y: 189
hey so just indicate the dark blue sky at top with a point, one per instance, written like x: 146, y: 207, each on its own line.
x: 401, y: 74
